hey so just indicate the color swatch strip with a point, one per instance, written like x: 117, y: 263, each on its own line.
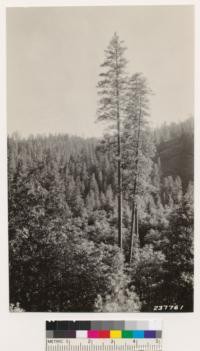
x: 104, y: 334
x: 141, y: 329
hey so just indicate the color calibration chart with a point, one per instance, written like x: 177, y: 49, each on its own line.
x: 116, y: 335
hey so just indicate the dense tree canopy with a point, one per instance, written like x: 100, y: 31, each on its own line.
x: 63, y: 231
x: 106, y: 224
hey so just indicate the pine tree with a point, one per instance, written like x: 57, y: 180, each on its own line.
x: 111, y: 89
x: 138, y: 146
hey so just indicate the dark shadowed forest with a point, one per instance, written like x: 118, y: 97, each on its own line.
x: 104, y: 225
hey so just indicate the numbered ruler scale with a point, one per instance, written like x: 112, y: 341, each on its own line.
x: 104, y: 336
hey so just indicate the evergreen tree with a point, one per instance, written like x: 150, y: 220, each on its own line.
x: 111, y: 89
x: 138, y: 145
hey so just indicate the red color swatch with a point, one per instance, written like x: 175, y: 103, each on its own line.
x: 104, y: 334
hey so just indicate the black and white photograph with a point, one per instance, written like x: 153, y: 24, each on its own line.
x: 100, y: 158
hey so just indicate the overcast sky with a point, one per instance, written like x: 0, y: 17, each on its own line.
x: 54, y: 54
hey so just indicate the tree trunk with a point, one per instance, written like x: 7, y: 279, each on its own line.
x: 119, y: 159
x: 132, y: 231
x: 133, y: 220
x: 137, y: 224
x: 119, y: 203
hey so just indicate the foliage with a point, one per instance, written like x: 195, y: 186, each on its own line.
x: 15, y: 308
x: 147, y: 274
x: 63, y: 226
x: 177, y: 245
x: 64, y: 218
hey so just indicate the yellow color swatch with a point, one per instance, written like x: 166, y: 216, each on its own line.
x: 115, y: 334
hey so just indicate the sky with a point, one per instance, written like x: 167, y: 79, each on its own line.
x: 54, y: 56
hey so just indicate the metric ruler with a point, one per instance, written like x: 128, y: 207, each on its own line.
x: 103, y: 345
x: 104, y: 335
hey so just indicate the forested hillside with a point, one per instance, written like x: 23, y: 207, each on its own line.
x: 63, y: 230
x: 104, y: 225
x: 175, y: 148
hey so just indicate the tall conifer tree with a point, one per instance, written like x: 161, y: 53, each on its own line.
x: 111, y: 89
x: 138, y: 148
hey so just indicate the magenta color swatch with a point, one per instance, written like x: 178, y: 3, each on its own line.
x: 93, y: 334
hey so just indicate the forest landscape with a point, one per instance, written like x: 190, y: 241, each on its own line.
x: 101, y: 222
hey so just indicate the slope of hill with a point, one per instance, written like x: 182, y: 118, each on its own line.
x: 175, y: 149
